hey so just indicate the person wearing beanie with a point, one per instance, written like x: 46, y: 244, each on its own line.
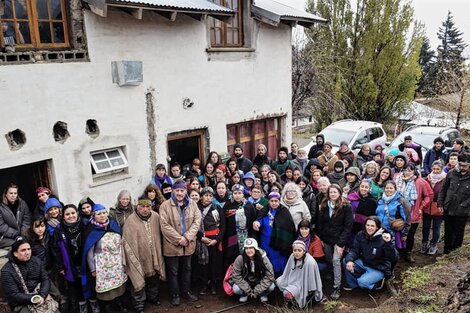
x: 327, y: 159
x: 409, y: 144
x: 437, y: 152
x: 145, y: 266
x: 52, y: 214
x: 43, y: 194
x: 317, y: 148
x: 301, y: 282
x: 239, y: 216
x: 282, y: 162
x: 276, y: 230
x: 344, y: 151
x: 180, y: 219
x: 338, y: 172
x: 209, y: 265
x: 22, y: 266
x: 244, y: 164
x: 102, y: 258
x: 253, y: 274
x: 261, y: 157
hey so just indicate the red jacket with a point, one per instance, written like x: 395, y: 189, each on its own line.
x: 424, y: 200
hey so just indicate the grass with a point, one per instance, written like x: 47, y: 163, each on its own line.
x: 416, y: 277
x: 331, y: 306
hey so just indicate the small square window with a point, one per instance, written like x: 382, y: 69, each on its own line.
x: 108, y: 161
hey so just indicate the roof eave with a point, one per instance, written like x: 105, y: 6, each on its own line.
x: 274, y: 19
x: 100, y: 7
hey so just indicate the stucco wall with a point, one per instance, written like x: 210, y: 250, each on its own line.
x: 225, y: 88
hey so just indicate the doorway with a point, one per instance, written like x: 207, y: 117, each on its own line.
x: 185, y: 146
x: 28, y: 177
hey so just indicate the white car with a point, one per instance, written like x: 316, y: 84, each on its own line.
x: 355, y: 133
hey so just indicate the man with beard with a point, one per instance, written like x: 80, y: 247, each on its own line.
x: 180, y: 219
x: 143, y: 254
x: 454, y: 200
x: 261, y: 157
x: 244, y: 164
x: 316, y: 148
x: 436, y: 153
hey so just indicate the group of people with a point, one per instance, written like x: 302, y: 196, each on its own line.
x: 295, y: 223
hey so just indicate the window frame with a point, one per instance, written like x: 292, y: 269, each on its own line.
x: 112, y: 169
x: 33, y: 21
x: 224, y: 26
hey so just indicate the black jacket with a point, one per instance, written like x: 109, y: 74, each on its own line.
x: 12, y: 226
x: 335, y: 230
x: 455, y: 194
x: 310, y: 199
x: 33, y: 273
x: 283, y: 234
x: 213, y: 219
x: 262, y: 160
x: 373, y: 251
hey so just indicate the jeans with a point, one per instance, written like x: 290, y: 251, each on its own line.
x: 454, y: 228
x: 238, y: 291
x: 436, y: 227
x: 332, y: 257
x: 363, y: 277
x: 178, y: 268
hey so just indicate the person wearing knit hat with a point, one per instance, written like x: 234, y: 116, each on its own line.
x: 220, y: 174
x: 327, y: 159
x: 180, y: 220
x: 344, y: 151
x: 43, y: 194
x: 102, y: 259
x: 261, y: 157
x: 142, y: 241
x: 282, y: 162
x: 277, y: 232
x: 244, y: 164
x: 301, y: 282
x: 52, y: 214
x: 317, y: 148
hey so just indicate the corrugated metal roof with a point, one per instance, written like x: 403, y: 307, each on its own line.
x: 284, y: 11
x: 192, y: 5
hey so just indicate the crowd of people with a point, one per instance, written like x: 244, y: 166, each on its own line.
x: 297, y: 223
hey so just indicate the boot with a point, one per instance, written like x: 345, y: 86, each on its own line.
x: 424, y: 247
x: 83, y: 306
x: 390, y: 287
x: 95, y: 306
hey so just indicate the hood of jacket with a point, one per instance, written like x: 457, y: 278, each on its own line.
x: 313, y: 161
x: 353, y: 170
x: 249, y: 175
x: 403, y: 156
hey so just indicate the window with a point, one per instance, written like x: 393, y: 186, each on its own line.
x: 33, y: 24
x: 361, y: 138
x: 375, y: 133
x: 108, y: 161
x: 228, y: 34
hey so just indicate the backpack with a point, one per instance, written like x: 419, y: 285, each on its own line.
x: 228, y: 281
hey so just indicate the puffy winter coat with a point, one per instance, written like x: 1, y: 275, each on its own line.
x: 397, y: 207
x: 424, y: 200
x: 12, y: 226
x: 335, y: 230
x: 455, y: 194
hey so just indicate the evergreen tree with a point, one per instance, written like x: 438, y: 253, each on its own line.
x: 370, y: 60
x: 450, y: 65
x: 426, y: 61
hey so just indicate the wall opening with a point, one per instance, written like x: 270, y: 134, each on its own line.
x: 28, y: 177
x: 92, y: 128
x: 185, y: 146
x: 16, y: 139
x: 60, y: 132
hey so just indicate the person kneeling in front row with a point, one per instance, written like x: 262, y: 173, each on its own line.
x: 253, y: 274
x: 369, y: 261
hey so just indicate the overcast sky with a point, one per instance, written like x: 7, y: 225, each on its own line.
x: 432, y: 13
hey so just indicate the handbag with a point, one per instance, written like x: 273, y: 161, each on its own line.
x: 49, y: 305
x: 435, y: 211
x: 397, y: 223
x: 228, y: 281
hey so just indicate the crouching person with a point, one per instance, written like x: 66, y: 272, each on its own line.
x: 253, y: 274
x: 26, y: 282
x: 144, y: 261
x: 301, y: 281
x: 369, y: 261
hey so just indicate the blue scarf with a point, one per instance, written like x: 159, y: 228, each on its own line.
x: 181, y: 210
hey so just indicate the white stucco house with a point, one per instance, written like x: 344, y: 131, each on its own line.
x: 95, y: 93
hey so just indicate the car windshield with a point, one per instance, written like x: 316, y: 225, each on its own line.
x: 335, y: 136
x: 425, y: 140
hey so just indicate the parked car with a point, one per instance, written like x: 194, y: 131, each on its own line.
x: 355, y: 133
x: 424, y: 136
